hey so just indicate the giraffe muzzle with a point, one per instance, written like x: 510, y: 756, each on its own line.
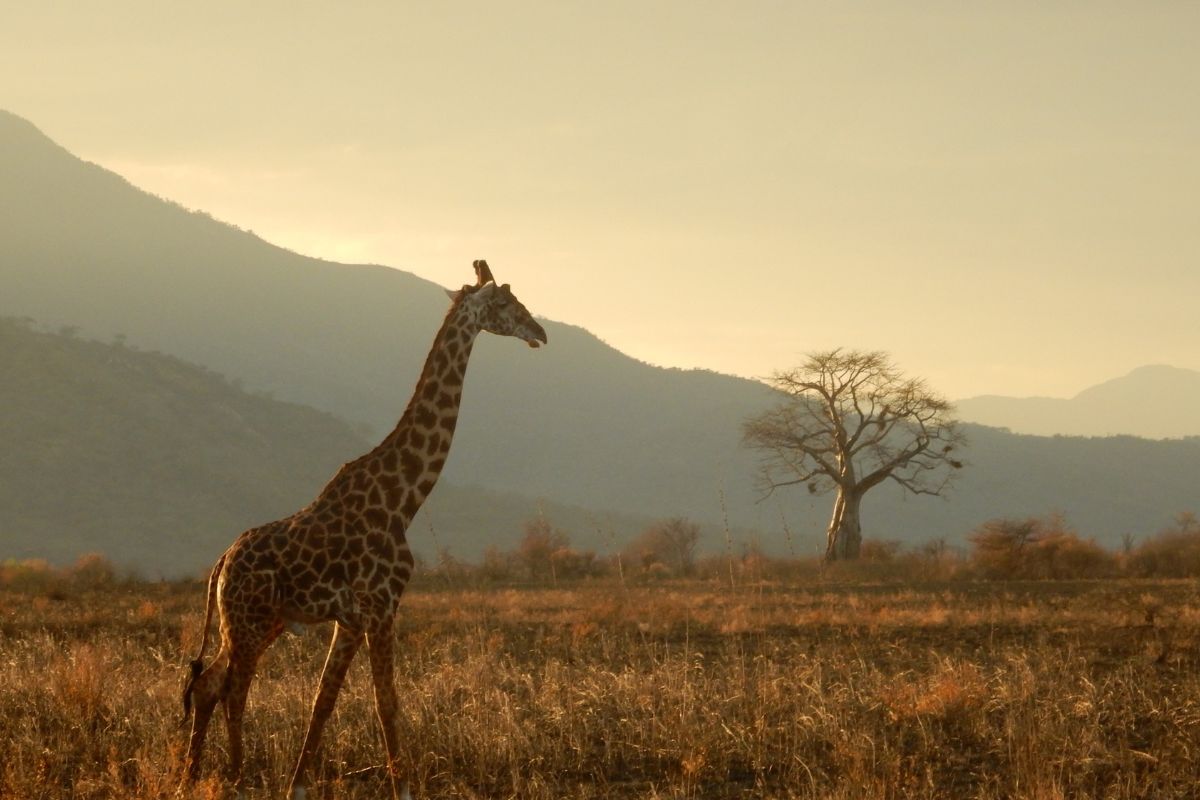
x: 539, y: 336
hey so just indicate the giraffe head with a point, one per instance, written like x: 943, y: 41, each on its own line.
x: 498, y: 309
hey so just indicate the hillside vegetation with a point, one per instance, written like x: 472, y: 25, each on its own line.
x: 142, y: 455
x: 158, y: 463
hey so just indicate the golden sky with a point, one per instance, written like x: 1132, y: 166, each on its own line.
x: 1003, y: 196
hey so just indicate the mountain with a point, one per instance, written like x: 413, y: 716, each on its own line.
x: 1105, y: 486
x: 159, y: 464
x: 576, y: 421
x: 600, y: 440
x: 1157, y: 402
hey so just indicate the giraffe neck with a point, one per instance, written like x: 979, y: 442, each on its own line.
x: 414, y: 453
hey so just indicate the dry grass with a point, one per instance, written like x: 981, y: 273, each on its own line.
x: 1052, y: 690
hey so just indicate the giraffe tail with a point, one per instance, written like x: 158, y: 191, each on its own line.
x: 197, y: 665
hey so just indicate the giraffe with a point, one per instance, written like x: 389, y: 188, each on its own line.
x: 344, y: 558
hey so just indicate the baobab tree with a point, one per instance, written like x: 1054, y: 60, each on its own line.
x: 851, y: 421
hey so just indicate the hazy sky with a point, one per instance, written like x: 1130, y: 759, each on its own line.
x: 1004, y: 196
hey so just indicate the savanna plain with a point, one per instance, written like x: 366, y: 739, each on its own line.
x: 829, y: 686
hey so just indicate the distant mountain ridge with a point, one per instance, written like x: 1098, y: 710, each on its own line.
x: 1156, y: 402
x: 576, y: 424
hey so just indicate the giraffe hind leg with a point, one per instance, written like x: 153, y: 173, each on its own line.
x: 207, y: 689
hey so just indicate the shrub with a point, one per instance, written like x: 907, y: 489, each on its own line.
x: 93, y: 571
x: 934, y: 560
x: 449, y: 568
x: 670, y: 543
x: 1000, y: 546
x: 879, y: 551
x: 567, y: 563
x: 1173, y: 552
x: 1062, y: 554
x: 32, y: 576
x: 538, y: 546
x: 1036, y: 548
x: 498, y: 565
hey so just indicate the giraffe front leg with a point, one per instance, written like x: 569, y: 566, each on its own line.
x: 381, y: 642
x: 342, y: 648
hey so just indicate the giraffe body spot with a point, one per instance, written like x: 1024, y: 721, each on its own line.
x: 376, y: 519
x: 411, y: 504
x: 395, y: 496
x: 412, y: 466
x: 425, y: 417
x: 336, y: 573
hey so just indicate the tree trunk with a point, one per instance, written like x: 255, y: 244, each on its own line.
x: 845, y: 527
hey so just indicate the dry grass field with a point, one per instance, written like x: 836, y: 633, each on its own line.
x: 678, y: 690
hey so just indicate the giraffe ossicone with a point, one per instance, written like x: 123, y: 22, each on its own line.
x: 344, y: 558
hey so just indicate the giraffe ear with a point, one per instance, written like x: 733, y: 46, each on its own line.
x: 454, y: 294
